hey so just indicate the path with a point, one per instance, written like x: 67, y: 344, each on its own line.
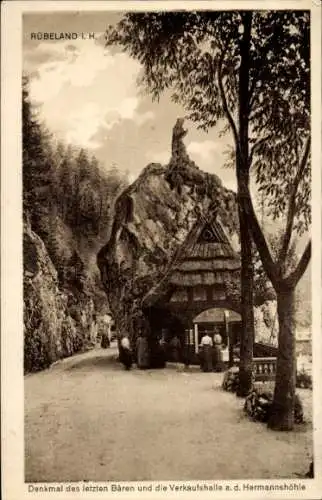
x: 87, y: 419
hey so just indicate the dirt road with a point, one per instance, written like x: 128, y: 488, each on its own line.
x: 88, y: 419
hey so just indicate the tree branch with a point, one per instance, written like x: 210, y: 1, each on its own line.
x: 292, y: 206
x: 251, y: 91
x: 256, y: 145
x: 225, y: 105
x: 292, y: 279
x: 258, y: 235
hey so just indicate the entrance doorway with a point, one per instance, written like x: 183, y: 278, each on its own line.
x: 225, y: 322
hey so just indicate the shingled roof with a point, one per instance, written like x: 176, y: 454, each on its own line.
x: 205, y: 258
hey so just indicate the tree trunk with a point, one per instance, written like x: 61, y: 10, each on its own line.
x: 282, y: 417
x: 242, y: 167
x: 247, y: 310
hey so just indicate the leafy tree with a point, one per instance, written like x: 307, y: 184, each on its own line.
x: 250, y: 71
x: 186, y: 53
x: 263, y: 288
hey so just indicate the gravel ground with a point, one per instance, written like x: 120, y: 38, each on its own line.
x: 88, y: 419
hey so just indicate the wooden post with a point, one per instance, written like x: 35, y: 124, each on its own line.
x: 231, y: 347
x: 196, y: 339
x: 229, y: 340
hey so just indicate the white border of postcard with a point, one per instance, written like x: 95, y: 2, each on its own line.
x: 13, y: 486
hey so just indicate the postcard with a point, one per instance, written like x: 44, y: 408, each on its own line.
x: 161, y: 249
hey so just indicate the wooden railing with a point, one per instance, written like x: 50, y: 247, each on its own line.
x: 264, y: 368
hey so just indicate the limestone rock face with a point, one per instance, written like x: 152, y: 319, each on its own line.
x: 152, y: 218
x: 266, y: 323
x: 50, y: 331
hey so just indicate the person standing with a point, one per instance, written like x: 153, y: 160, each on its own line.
x: 142, y: 350
x: 93, y: 329
x: 206, y: 345
x: 105, y: 341
x: 125, y: 352
x: 162, y: 351
x: 175, y: 346
x: 104, y: 332
x: 218, y: 352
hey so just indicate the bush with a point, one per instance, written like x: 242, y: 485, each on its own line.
x: 258, y: 405
x: 310, y: 473
x: 231, y: 379
x: 303, y: 380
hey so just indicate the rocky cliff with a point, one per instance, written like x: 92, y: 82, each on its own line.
x: 56, y: 322
x: 152, y: 218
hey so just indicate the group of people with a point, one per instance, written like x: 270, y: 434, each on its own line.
x: 210, y: 352
x: 141, y: 353
x: 147, y: 355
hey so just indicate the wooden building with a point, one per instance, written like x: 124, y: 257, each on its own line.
x: 203, y: 275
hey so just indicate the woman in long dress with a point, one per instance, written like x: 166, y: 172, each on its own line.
x: 218, y: 352
x: 175, y: 346
x: 206, y: 353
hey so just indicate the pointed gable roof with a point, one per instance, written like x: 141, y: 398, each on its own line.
x: 205, y: 258
x: 207, y: 240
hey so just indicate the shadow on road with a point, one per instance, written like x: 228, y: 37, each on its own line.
x: 100, y: 361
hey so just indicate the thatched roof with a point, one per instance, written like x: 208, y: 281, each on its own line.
x: 205, y: 258
x: 217, y: 315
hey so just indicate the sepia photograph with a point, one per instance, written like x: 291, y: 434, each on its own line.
x: 166, y: 248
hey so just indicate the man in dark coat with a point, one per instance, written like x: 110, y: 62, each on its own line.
x: 142, y: 350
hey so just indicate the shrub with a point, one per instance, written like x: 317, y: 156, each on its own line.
x: 258, y: 405
x: 231, y: 379
x: 303, y: 380
x: 310, y: 473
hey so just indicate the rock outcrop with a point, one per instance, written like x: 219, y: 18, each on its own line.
x: 266, y: 323
x: 55, y: 324
x: 152, y: 218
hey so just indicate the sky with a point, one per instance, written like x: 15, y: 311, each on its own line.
x: 88, y: 96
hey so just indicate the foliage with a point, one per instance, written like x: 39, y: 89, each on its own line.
x: 36, y: 155
x: 258, y: 405
x: 310, y: 473
x: 197, y: 55
x: 216, y: 73
x: 261, y: 281
x: 250, y: 71
x: 303, y: 380
x: 231, y: 379
x: 65, y: 181
x: 66, y: 192
x: 68, y: 200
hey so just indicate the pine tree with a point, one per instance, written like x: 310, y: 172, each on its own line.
x: 36, y: 167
